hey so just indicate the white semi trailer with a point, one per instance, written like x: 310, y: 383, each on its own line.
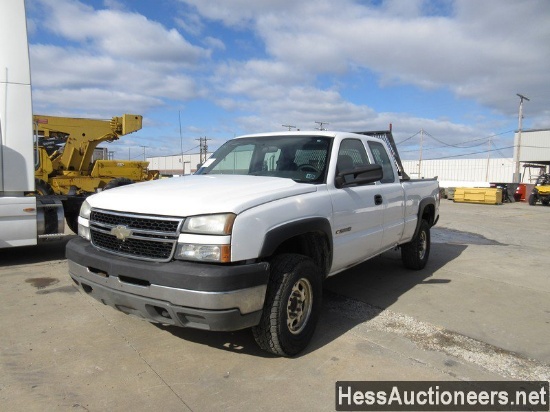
x: 24, y: 218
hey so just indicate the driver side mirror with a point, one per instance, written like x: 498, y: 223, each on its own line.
x: 359, y: 176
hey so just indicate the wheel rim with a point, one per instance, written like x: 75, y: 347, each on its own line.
x: 422, y: 245
x: 299, y: 306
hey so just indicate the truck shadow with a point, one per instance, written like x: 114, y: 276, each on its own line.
x: 372, y: 287
x: 43, y: 252
x: 375, y: 284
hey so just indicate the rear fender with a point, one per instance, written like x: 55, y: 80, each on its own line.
x: 426, y: 208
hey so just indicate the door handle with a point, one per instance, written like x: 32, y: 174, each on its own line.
x: 378, y: 199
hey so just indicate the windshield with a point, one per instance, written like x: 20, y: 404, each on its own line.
x: 300, y: 158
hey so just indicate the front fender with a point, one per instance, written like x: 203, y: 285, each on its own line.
x: 276, y: 236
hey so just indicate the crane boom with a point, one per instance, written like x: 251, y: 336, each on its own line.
x: 83, y: 136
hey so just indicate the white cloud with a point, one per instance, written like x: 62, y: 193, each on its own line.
x: 124, y: 34
x: 95, y: 102
x: 482, y: 50
x: 113, y: 59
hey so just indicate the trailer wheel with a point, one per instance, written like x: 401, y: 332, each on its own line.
x: 415, y: 253
x: 119, y: 181
x: 532, y: 199
x: 292, y: 305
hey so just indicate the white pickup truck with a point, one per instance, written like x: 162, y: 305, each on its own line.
x: 248, y: 240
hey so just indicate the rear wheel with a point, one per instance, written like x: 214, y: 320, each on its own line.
x: 415, y: 253
x: 42, y: 188
x: 292, y: 305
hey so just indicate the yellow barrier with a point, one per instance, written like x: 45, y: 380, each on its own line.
x: 488, y: 196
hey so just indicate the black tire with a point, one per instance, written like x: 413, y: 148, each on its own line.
x: 72, y: 221
x: 415, y: 254
x: 42, y: 188
x: 292, y: 305
x: 545, y: 202
x: 532, y: 199
x: 119, y: 181
x: 71, y: 207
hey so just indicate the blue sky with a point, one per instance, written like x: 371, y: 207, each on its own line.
x: 451, y: 68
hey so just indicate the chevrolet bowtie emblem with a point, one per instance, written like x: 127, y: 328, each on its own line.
x: 121, y: 232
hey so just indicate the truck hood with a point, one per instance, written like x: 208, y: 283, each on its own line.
x: 198, y: 194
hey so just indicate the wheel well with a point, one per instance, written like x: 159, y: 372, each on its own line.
x: 313, y: 245
x: 428, y: 214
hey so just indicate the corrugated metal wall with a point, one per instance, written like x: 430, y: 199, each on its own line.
x: 467, y: 170
x: 535, y: 146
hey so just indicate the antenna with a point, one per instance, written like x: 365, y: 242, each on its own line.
x: 321, y: 125
x: 181, y: 145
x: 289, y: 127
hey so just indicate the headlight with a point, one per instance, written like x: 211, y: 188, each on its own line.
x: 221, y: 224
x: 85, y: 210
x: 84, y: 220
x: 204, y: 253
x: 206, y: 238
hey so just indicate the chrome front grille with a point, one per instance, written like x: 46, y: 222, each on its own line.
x: 143, y: 237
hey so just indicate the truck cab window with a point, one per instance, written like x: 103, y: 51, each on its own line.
x: 381, y: 158
x: 352, y: 154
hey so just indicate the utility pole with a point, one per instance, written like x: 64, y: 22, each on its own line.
x: 517, y: 175
x: 420, y: 156
x: 289, y: 127
x: 321, y: 125
x: 144, y: 147
x: 203, y: 148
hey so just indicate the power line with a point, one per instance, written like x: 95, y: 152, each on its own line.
x: 455, y: 145
x: 408, y: 138
x: 468, y: 154
x: 458, y: 145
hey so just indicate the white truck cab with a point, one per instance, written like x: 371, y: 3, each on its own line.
x: 248, y: 240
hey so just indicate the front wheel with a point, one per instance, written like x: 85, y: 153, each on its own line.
x: 532, y: 199
x: 415, y: 253
x: 292, y: 305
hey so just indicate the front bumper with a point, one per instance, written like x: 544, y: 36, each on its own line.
x: 187, y: 294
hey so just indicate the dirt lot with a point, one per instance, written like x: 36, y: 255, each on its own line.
x: 480, y: 310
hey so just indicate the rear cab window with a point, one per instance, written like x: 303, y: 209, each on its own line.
x: 380, y: 157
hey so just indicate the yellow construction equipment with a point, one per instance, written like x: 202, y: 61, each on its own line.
x: 64, y: 166
x: 69, y: 170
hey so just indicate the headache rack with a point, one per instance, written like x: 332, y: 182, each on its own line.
x: 387, y: 136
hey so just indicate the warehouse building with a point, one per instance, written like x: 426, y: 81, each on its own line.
x: 462, y: 172
x: 176, y: 165
x: 533, y: 155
